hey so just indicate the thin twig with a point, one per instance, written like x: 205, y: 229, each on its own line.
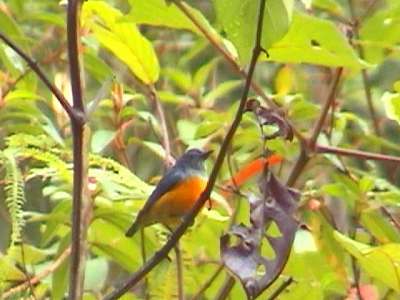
x: 208, y: 283
x: 179, y: 272
x: 76, y: 276
x: 281, y: 288
x: 387, y: 213
x: 144, y: 258
x: 28, y: 277
x: 14, y: 82
x: 226, y: 288
x: 356, y: 153
x: 325, y: 109
x: 308, y: 146
x: 365, y: 79
x: 40, y: 276
x: 355, y: 269
x: 188, y: 219
x: 32, y: 64
x: 161, y: 116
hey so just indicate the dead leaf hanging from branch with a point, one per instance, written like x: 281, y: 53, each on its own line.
x: 266, y: 116
x: 244, y: 259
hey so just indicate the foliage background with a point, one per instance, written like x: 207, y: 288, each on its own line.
x: 133, y: 50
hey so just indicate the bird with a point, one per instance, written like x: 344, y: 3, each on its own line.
x: 175, y: 194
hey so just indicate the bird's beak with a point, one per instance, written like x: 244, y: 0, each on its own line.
x: 206, y: 154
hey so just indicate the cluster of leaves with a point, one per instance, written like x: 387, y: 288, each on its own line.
x: 139, y: 56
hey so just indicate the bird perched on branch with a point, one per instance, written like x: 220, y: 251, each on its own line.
x: 175, y: 194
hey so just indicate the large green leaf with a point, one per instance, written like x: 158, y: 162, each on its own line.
x: 159, y: 13
x: 382, y: 263
x: 239, y: 20
x: 123, y: 39
x: 108, y: 240
x: 380, y: 33
x: 315, y: 41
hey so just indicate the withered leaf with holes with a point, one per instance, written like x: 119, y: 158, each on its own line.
x: 266, y: 116
x: 245, y: 258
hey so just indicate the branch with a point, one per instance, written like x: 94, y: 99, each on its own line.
x: 76, y: 275
x: 308, y: 146
x: 226, y: 288
x: 188, y: 219
x: 214, y: 41
x: 208, y: 283
x: 356, y: 153
x: 179, y: 272
x: 325, y: 109
x: 281, y: 288
x: 168, y: 160
x: 365, y: 78
x: 32, y: 64
x: 36, y: 279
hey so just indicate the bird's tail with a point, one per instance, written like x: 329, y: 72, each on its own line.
x: 133, y: 229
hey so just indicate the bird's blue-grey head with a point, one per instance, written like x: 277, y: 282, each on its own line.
x: 193, y: 160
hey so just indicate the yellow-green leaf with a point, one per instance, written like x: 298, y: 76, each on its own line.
x: 123, y: 39
x: 382, y: 263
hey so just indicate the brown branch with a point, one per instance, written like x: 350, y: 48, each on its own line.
x: 152, y: 94
x: 226, y: 288
x: 356, y: 153
x: 188, y: 219
x: 76, y: 276
x: 387, y: 213
x: 281, y: 288
x: 325, y: 109
x: 179, y: 271
x: 208, y: 283
x: 365, y: 79
x: 36, y: 279
x: 307, y: 147
x: 33, y: 65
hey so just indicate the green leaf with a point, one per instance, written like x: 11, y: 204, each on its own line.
x: 329, y: 5
x: 9, y: 272
x: 202, y: 74
x: 100, y: 140
x: 96, y: 66
x: 107, y: 239
x: 159, y: 13
x: 123, y: 39
x: 181, y: 79
x: 208, y: 127
x: 59, y: 281
x: 380, y: 32
x: 379, y: 227
x: 96, y: 274
x: 382, y: 263
x: 32, y: 255
x: 392, y: 105
x: 239, y: 20
x: 315, y: 41
x: 219, y: 91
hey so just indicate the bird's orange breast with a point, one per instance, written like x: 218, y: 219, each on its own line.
x: 173, y: 205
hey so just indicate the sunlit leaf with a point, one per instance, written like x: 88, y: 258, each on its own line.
x: 382, y: 262
x: 123, y: 39
x: 392, y: 105
x: 314, y: 41
x: 239, y: 18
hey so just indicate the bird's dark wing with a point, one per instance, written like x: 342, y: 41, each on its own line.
x: 170, y: 179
